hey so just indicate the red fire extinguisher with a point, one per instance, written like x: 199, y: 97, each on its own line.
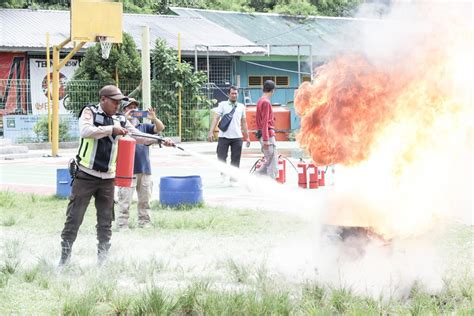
x: 281, y: 170
x: 321, y: 178
x: 125, y: 162
x: 302, y: 174
x: 307, y: 175
x: 313, y: 176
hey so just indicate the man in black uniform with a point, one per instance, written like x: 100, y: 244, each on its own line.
x: 100, y: 127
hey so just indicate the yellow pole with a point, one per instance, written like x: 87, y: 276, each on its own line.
x: 116, y: 76
x: 57, y: 65
x: 48, y: 78
x: 179, y: 91
x: 55, y: 129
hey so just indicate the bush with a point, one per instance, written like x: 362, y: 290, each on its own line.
x: 41, y: 130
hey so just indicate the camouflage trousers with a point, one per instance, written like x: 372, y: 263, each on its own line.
x: 143, y: 184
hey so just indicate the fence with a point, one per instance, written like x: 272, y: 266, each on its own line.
x: 22, y: 109
x: 21, y: 113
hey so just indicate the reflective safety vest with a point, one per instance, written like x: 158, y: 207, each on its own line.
x: 100, y: 154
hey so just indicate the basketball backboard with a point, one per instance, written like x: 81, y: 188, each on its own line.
x: 93, y: 18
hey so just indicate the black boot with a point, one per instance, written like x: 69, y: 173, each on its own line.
x: 66, y: 247
x: 102, y: 252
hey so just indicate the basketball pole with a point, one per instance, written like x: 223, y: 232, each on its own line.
x: 57, y: 65
x: 146, y: 89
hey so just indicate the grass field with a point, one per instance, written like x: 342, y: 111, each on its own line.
x: 199, y: 261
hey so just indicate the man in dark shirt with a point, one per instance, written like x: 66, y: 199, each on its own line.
x: 142, y: 170
x: 265, y: 126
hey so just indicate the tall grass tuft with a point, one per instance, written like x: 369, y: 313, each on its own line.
x: 7, y: 200
x: 11, y: 260
x: 153, y: 302
x: 341, y: 300
x: 121, y: 303
x: 79, y: 304
x: 313, y: 293
x: 9, y: 221
x: 239, y: 273
x: 4, y: 278
x: 31, y: 274
x: 190, y: 301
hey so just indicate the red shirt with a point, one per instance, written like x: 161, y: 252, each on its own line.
x: 264, y: 118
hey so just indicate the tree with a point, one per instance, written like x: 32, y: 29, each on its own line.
x: 169, y: 76
x: 336, y: 7
x: 295, y: 7
x: 123, y: 63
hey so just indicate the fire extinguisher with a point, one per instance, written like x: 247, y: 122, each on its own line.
x: 281, y: 178
x: 313, y: 176
x: 307, y: 175
x: 302, y: 167
x: 321, y: 178
x: 125, y: 162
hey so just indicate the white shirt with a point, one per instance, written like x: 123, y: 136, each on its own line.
x: 235, y: 127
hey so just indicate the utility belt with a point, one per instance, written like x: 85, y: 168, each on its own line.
x: 258, y: 133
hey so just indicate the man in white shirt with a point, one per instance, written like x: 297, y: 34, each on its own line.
x: 233, y: 136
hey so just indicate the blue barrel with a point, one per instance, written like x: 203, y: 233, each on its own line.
x: 175, y: 191
x: 63, y: 183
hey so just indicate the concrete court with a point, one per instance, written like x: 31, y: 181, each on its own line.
x: 36, y: 173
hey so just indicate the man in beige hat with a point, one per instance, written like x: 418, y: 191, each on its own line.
x: 142, y: 181
x: 100, y: 127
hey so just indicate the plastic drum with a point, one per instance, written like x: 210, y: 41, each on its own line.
x: 63, y: 183
x: 175, y: 191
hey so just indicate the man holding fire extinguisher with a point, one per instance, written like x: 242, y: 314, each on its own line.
x: 100, y: 127
x: 142, y: 180
x: 265, y: 131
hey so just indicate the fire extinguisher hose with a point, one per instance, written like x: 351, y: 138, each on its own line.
x: 289, y: 162
x: 155, y: 137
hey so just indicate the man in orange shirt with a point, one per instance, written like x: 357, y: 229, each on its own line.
x: 266, y: 132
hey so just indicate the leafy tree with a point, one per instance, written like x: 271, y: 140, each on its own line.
x: 123, y: 63
x: 336, y: 7
x: 168, y: 77
x: 295, y: 7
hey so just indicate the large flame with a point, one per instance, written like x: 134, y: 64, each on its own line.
x: 397, y: 124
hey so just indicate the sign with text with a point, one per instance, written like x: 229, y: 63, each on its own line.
x: 39, y: 87
x: 21, y: 128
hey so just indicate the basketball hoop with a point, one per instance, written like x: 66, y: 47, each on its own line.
x: 105, y: 45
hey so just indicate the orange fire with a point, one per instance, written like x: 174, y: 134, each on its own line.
x: 352, y: 101
x: 400, y: 130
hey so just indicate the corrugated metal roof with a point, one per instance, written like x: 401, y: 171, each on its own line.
x: 26, y: 30
x: 327, y: 35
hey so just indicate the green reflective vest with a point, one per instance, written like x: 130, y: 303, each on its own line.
x: 100, y: 154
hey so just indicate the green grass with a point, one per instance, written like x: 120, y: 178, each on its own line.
x: 158, y: 285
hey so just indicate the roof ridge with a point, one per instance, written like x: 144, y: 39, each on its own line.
x: 132, y: 14
x: 279, y: 14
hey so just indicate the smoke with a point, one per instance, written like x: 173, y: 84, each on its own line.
x: 393, y: 111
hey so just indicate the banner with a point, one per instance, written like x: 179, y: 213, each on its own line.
x: 13, y: 87
x: 38, y: 79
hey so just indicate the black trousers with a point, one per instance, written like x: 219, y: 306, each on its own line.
x: 235, y: 145
x: 84, y: 187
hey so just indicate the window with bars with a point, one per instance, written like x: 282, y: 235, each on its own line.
x: 280, y: 81
x: 220, y: 69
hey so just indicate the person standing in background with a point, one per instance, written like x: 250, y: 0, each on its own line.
x: 142, y: 181
x: 233, y: 136
x: 266, y: 132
